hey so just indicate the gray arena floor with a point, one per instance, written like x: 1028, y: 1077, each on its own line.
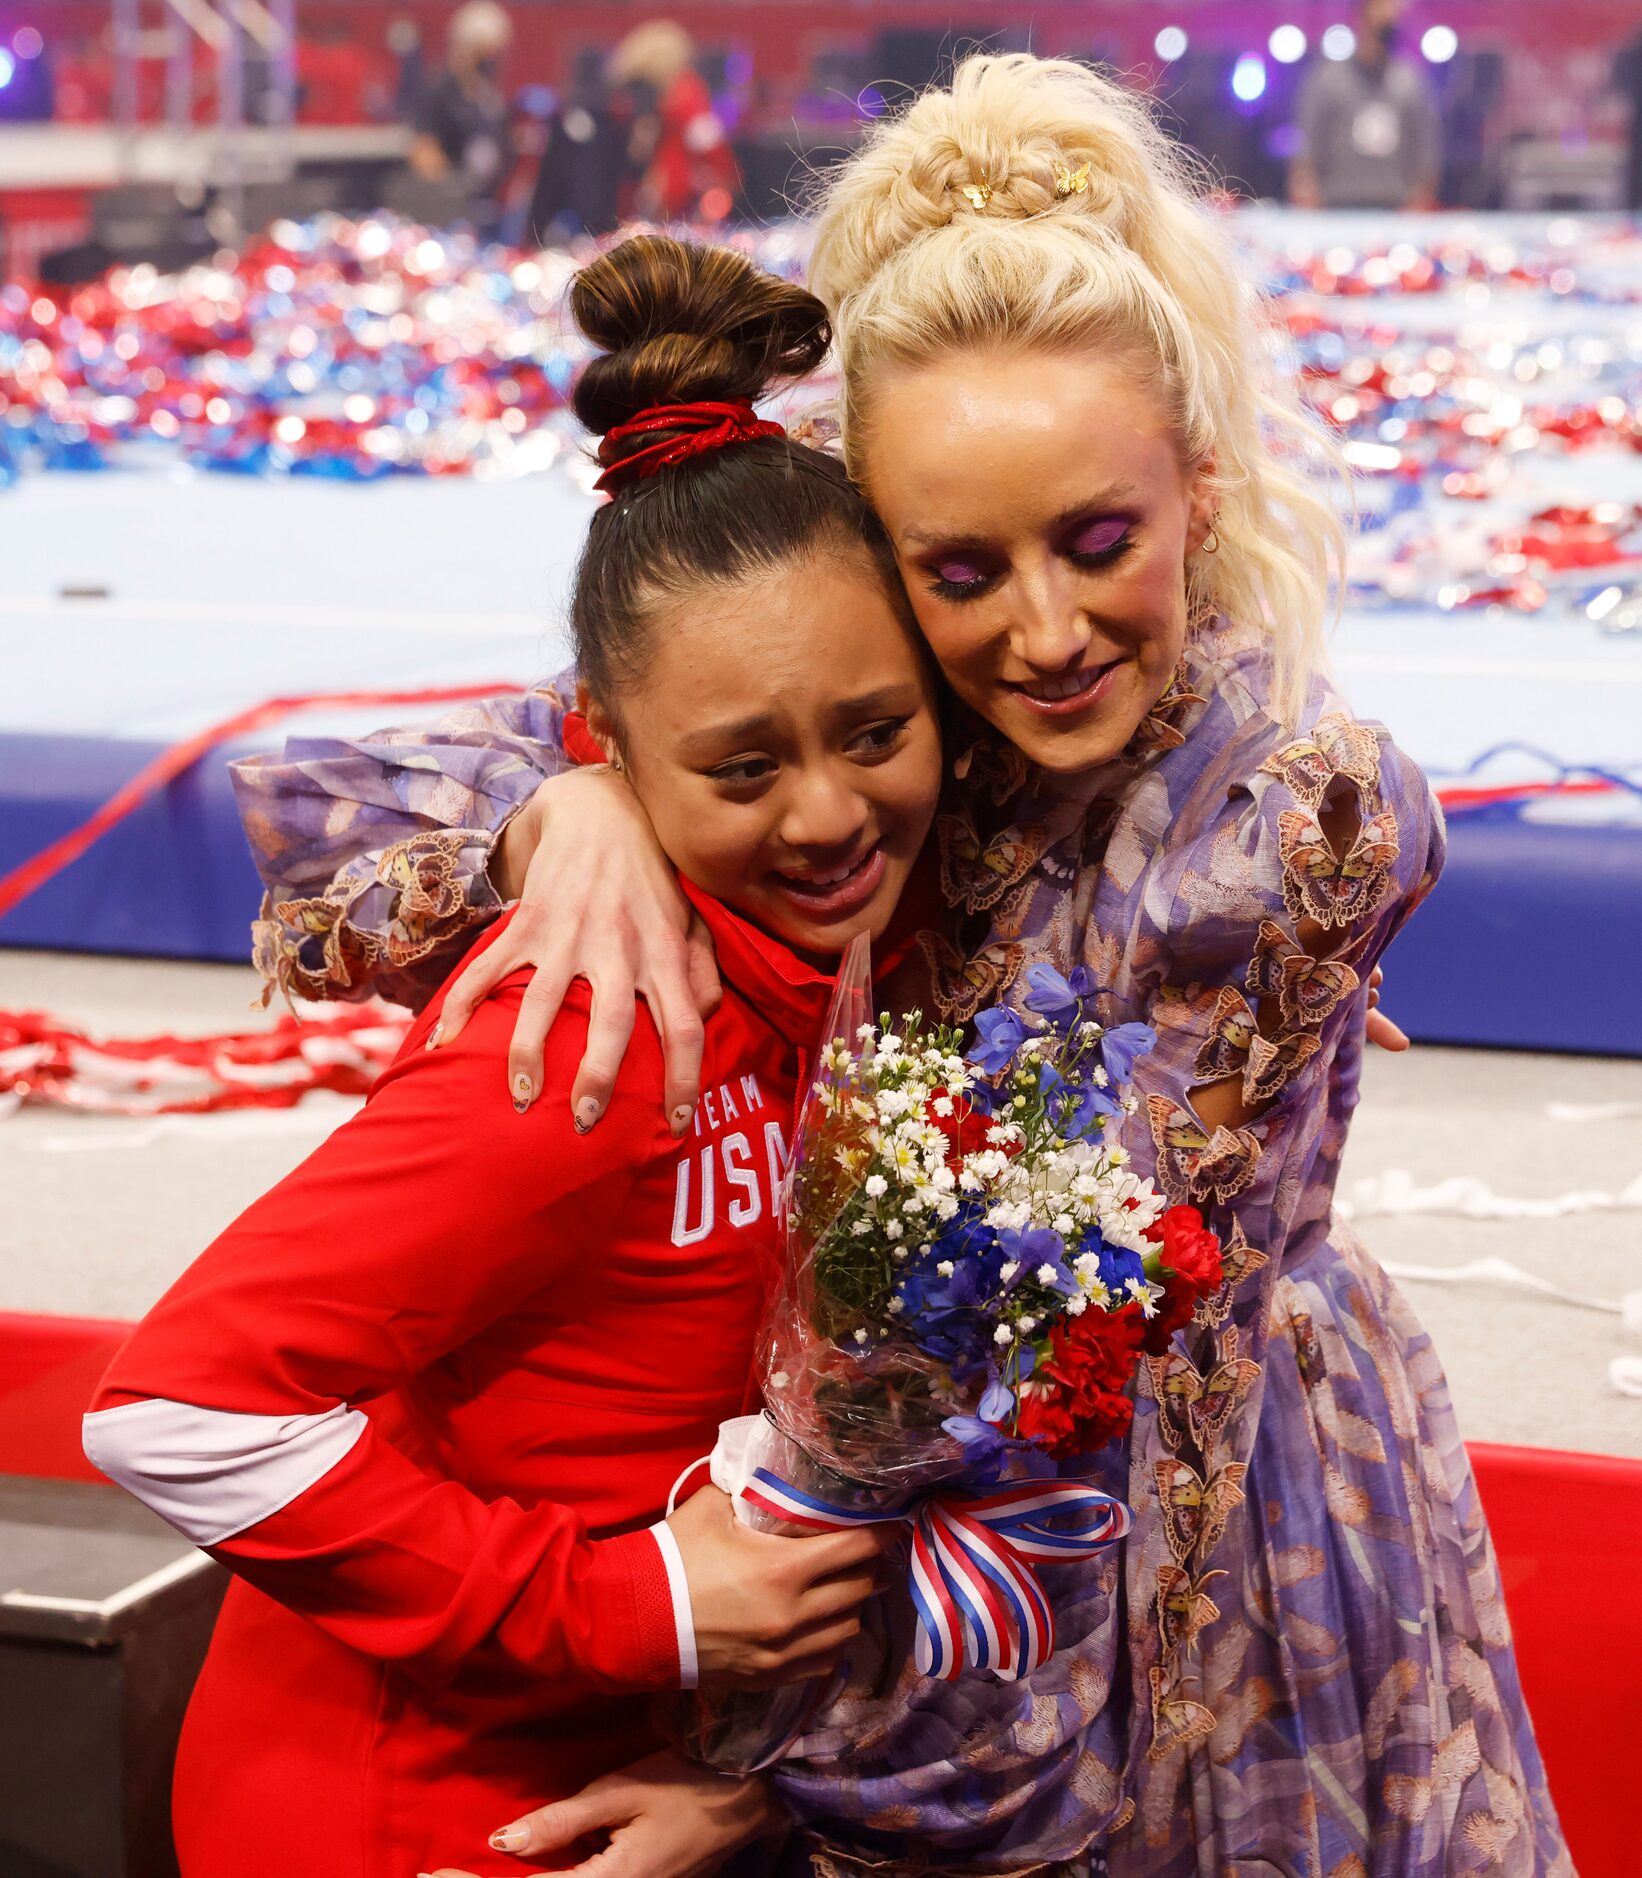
x: 101, y: 1215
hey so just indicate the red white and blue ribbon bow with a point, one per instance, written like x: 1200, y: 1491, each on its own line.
x: 978, y: 1600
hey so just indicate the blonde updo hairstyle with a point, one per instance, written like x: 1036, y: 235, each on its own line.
x: 1085, y: 227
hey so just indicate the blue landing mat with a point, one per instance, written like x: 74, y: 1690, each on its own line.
x: 174, y: 880
x: 1531, y: 940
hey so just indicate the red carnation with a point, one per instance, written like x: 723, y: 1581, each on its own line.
x: 1046, y: 1418
x: 1190, y: 1251
x: 1093, y: 1357
x: 1190, y: 1261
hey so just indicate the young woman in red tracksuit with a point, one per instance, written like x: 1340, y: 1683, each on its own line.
x: 426, y: 1398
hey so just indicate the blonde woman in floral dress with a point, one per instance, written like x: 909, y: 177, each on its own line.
x: 1060, y: 395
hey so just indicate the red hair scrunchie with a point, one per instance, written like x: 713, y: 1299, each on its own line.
x: 707, y: 426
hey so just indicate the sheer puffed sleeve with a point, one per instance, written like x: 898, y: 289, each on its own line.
x: 1269, y: 918
x: 375, y: 851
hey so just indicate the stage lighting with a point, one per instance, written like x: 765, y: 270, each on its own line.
x: 8, y: 68
x: 1338, y: 43
x: 1170, y: 44
x: 1287, y: 45
x: 1439, y: 44
x: 1248, y: 81
x: 27, y: 43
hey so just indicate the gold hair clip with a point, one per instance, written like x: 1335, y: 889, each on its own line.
x: 978, y: 195
x: 1070, y: 182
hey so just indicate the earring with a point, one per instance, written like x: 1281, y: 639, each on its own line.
x: 615, y: 764
x: 1211, y: 541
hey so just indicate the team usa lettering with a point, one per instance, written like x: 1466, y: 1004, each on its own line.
x: 738, y: 1168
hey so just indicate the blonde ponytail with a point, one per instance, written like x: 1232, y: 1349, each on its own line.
x: 1036, y: 204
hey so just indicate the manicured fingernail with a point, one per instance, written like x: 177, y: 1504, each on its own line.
x: 435, y: 1034
x: 509, y: 1839
x: 523, y: 1090
x: 587, y: 1113
x: 681, y: 1117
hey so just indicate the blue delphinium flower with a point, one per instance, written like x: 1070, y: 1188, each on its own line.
x: 1120, y: 1046
x: 1001, y: 1034
x: 992, y: 1456
x: 945, y: 1313
x: 984, y: 1443
x: 1033, y: 1248
x: 1056, y: 998
x: 1081, y: 1106
x: 997, y: 1399
x: 1118, y: 1265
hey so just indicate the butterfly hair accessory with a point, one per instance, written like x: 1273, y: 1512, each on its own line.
x: 1070, y: 182
x: 977, y: 194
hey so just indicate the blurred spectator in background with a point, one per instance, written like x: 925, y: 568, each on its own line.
x: 335, y: 75
x: 462, y: 119
x: 83, y: 81
x: 585, y: 162
x: 404, y: 43
x: 1627, y: 78
x: 686, y: 166
x: 1370, y: 135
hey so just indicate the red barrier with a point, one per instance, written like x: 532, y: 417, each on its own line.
x: 1568, y: 1533
x: 49, y: 1368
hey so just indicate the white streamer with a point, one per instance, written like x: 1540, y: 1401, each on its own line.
x: 1395, y: 1195
x: 1592, y: 1111
x: 1625, y: 1374
x: 1492, y: 1271
x: 311, y: 1119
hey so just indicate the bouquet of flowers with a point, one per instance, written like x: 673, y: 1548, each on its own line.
x: 972, y: 1274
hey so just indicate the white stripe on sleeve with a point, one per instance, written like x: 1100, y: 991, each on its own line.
x: 211, y: 1473
x: 684, y: 1619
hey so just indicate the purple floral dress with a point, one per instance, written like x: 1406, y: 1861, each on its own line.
x: 1299, y: 1663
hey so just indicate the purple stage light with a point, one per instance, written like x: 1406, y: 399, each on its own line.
x: 1170, y: 44
x: 1248, y: 80
x: 1338, y: 43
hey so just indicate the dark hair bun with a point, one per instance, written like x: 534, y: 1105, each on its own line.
x: 678, y: 323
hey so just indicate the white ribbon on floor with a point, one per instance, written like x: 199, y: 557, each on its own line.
x: 1493, y: 1271
x: 311, y: 1120
x: 1396, y: 1194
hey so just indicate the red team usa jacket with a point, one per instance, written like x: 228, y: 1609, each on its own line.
x: 426, y: 1399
